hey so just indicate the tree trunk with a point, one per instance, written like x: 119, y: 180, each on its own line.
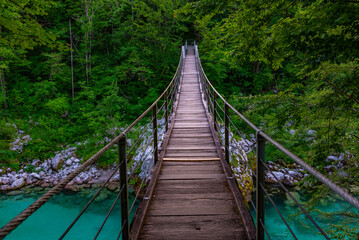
x: 87, y: 40
x: 256, y: 66
x: 72, y: 65
x: 3, y: 89
x: 276, y: 83
x: 132, y: 19
x: 91, y: 35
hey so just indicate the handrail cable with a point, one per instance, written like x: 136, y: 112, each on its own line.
x: 109, y: 212
x: 296, y: 202
x: 279, y: 213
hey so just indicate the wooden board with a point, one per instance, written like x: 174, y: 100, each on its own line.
x: 191, y: 159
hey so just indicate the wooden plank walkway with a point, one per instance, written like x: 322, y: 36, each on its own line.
x: 192, y: 198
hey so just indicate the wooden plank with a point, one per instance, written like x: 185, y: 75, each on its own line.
x: 191, y: 142
x: 196, y: 120
x: 191, y: 155
x: 191, y: 196
x: 184, y: 191
x: 191, y: 163
x: 193, y: 227
x: 199, y: 147
x: 190, y: 138
x: 190, y: 159
x: 202, y: 167
x: 173, y: 170
x: 190, y: 135
x: 170, y: 207
x: 190, y: 176
x: 192, y: 184
x: 189, y: 151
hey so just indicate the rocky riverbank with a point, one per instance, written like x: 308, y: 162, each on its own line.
x: 49, y: 172
x: 240, y: 150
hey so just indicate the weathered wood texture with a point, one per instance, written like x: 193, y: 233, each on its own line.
x: 192, y: 198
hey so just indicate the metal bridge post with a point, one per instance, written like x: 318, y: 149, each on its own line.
x: 215, y: 111
x: 226, y: 132
x: 260, y: 177
x: 123, y: 185
x: 166, y: 110
x: 186, y: 44
x: 155, y: 144
x: 209, y: 99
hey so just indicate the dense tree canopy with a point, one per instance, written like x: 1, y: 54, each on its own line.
x: 73, y: 69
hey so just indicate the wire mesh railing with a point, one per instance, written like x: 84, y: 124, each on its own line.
x: 221, y: 111
x: 167, y: 100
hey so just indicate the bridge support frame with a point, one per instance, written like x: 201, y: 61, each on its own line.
x: 155, y: 142
x: 166, y: 111
x: 124, y: 186
x: 260, y: 181
x: 215, y: 111
x: 226, y: 132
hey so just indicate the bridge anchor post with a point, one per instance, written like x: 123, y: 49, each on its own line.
x: 215, y: 110
x: 260, y: 181
x: 155, y: 143
x: 226, y: 132
x: 166, y: 111
x: 124, y: 186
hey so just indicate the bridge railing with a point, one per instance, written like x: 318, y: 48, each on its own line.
x: 167, y: 100
x: 221, y: 112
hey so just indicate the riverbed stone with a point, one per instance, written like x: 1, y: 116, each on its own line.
x: 18, y: 183
x: 271, y: 179
x: 289, y: 181
x: 56, y: 162
x: 14, y: 193
x: 68, y: 162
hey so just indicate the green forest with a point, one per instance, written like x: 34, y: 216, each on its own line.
x: 70, y: 70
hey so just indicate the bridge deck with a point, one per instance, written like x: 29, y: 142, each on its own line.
x: 192, y: 198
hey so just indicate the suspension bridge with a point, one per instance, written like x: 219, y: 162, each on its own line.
x: 191, y: 191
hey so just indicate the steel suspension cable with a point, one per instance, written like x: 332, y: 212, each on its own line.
x: 295, y: 201
x: 109, y: 212
x: 89, y: 203
x: 147, y: 172
x: 279, y: 213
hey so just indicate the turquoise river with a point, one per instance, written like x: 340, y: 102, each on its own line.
x: 50, y: 221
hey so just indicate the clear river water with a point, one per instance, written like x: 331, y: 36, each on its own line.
x: 50, y: 221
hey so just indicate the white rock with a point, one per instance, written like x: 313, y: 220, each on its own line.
x: 56, y: 162
x: 35, y: 175
x: 18, y: 183
x: 292, y: 131
x: 278, y: 175
x: 68, y: 162
x: 332, y: 158
x: 5, y: 180
x: 35, y: 162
